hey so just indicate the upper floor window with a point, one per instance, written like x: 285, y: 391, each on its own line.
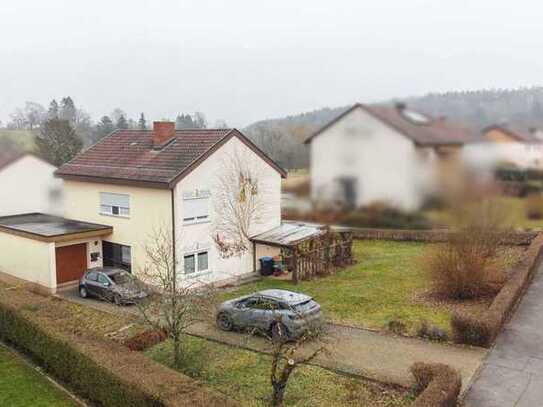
x: 114, y: 204
x: 196, y: 207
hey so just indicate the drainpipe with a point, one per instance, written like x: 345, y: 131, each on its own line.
x: 174, y: 247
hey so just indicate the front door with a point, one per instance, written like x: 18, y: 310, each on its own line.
x: 117, y: 255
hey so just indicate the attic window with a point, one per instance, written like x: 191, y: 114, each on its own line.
x: 415, y: 117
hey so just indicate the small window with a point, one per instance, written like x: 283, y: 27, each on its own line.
x: 195, y: 210
x: 196, y: 262
x: 94, y: 256
x: 114, y: 204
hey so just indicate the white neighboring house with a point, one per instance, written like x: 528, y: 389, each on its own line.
x: 28, y: 184
x: 381, y: 153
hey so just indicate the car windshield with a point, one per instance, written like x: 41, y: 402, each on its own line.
x: 302, y: 305
x: 121, y: 278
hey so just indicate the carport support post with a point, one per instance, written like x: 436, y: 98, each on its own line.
x: 295, y: 264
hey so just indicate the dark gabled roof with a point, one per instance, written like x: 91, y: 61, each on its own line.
x: 433, y: 132
x: 522, y: 135
x: 128, y: 157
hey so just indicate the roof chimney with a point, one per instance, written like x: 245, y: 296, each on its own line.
x: 163, y: 133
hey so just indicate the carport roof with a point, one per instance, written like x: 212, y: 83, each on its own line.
x: 48, y: 228
x: 291, y: 233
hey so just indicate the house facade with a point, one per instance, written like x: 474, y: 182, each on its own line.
x: 506, y: 143
x: 28, y: 184
x: 381, y: 153
x: 143, y: 183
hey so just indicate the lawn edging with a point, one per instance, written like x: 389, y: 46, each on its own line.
x: 439, y: 385
x: 97, y: 369
x: 482, y: 330
x: 519, y: 238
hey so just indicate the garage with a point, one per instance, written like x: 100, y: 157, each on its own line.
x: 48, y: 252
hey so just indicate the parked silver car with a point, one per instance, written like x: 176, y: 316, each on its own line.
x: 264, y: 310
x: 111, y: 284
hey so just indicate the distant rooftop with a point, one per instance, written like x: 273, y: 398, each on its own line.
x: 49, y: 228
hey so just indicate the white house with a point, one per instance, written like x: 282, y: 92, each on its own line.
x: 28, y: 184
x: 382, y: 153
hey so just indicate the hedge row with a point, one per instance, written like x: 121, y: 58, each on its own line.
x: 482, y: 330
x: 430, y: 236
x: 439, y: 385
x: 100, y: 370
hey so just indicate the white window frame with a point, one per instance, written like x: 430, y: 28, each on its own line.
x: 196, y: 263
x: 108, y: 210
x: 194, y: 196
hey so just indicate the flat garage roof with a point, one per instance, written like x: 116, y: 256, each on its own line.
x: 48, y: 228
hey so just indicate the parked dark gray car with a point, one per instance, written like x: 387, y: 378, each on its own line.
x: 111, y: 284
x: 265, y: 309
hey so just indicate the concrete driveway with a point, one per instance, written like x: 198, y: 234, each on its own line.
x: 355, y: 351
x: 512, y: 375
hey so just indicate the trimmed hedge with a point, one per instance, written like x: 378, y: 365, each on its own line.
x: 439, y: 385
x: 97, y: 369
x: 482, y: 330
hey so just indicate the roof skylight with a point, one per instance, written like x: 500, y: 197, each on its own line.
x: 415, y: 117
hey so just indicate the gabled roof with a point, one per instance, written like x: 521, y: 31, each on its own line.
x: 127, y: 157
x: 522, y: 135
x: 9, y: 157
x: 427, y: 132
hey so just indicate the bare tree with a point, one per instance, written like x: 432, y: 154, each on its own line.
x: 239, y: 202
x: 288, y: 353
x: 35, y: 114
x: 176, y: 303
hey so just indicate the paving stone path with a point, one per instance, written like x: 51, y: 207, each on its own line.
x: 512, y: 375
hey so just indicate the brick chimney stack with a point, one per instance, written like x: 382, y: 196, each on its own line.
x: 163, y: 132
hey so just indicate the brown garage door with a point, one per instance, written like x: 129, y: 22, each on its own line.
x: 71, y: 262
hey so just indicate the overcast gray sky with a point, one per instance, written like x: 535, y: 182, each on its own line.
x: 245, y: 60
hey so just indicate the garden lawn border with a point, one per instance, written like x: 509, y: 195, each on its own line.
x: 97, y: 369
x: 483, y: 330
x: 519, y: 238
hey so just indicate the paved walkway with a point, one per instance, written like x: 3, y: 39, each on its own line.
x: 354, y: 351
x: 513, y: 372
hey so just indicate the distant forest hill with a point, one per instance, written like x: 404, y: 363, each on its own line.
x: 282, y: 138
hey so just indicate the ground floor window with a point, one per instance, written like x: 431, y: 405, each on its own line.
x: 196, y: 262
x: 117, y: 255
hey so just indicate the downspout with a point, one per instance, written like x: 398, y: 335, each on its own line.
x: 174, y: 247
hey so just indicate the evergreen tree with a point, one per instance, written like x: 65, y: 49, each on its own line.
x: 104, y: 127
x: 184, y: 121
x: 142, y: 124
x: 52, y: 112
x: 121, y: 123
x: 68, y: 110
x: 58, y: 142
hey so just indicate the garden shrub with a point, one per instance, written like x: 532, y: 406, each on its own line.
x: 382, y: 215
x: 471, y: 330
x: 145, y: 340
x: 99, y: 370
x: 438, y: 385
x: 432, y: 332
x: 534, y: 207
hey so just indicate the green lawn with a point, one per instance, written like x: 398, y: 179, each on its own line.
x: 244, y: 376
x: 24, y: 138
x: 379, y: 288
x: 21, y: 386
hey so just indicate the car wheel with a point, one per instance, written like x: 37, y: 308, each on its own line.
x: 280, y: 331
x: 117, y: 299
x: 83, y: 293
x: 224, y: 322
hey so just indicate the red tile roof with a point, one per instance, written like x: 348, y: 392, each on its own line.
x: 433, y: 132
x: 523, y: 135
x: 127, y: 157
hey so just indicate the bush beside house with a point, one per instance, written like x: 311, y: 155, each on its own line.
x: 438, y: 385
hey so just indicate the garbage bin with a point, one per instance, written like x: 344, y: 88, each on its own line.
x: 266, y: 266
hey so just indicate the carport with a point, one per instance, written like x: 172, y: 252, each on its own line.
x: 48, y: 252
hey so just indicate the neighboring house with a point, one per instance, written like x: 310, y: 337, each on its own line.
x: 28, y: 184
x: 140, y: 182
x: 507, y: 144
x: 382, y: 153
